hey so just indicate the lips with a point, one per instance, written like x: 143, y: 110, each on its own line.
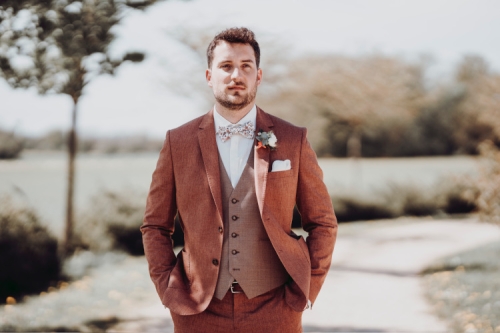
x: 237, y: 88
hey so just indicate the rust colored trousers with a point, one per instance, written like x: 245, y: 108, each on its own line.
x: 267, y: 313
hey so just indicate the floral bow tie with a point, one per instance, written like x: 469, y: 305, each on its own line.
x: 246, y: 130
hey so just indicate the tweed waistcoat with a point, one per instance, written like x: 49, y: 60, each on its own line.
x: 247, y: 254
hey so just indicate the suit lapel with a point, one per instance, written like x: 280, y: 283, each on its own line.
x: 261, y: 158
x: 209, y: 152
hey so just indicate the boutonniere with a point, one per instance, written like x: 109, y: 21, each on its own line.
x: 266, y: 139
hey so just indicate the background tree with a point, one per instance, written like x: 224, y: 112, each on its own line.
x: 343, y: 100
x: 10, y: 145
x: 186, y: 75
x: 59, y: 46
x: 370, y: 106
x: 480, y: 110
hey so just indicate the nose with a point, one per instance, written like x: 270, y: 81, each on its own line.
x: 235, y: 74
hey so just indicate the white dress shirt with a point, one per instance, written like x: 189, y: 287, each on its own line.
x: 235, y: 151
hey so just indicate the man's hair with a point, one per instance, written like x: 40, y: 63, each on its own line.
x: 234, y: 35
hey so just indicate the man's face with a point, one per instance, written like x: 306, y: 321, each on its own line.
x: 234, y: 76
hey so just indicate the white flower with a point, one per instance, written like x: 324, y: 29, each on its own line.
x: 272, y: 140
x: 266, y: 139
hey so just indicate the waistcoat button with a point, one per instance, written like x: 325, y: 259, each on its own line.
x: 234, y: 252
x: 220, y: 230
x: 234, y: 235
x: 215, y: 262
x: 234, y: 217
x: 234, y: 200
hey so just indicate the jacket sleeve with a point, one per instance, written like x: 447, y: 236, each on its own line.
x: 158, y: 224
x: 318, y: 218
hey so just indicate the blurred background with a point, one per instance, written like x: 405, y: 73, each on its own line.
x: 401, y: 101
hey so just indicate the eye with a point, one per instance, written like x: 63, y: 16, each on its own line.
x: 226, y: 66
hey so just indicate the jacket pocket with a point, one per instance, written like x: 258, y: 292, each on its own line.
x: 305, y: 249
x: 280, y: 174
x: 180, y: 276
x: 187, y: 265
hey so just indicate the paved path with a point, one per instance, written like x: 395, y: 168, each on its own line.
x: 373, y: 285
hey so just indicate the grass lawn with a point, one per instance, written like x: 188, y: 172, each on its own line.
x: 465, y: 289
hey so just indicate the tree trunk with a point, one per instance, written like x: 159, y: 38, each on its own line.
x: 354, y: 152
x: 72, y: 149
x: 354, y: 143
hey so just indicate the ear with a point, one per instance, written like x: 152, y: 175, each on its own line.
x: 208, y: 77
x: 259, y: 76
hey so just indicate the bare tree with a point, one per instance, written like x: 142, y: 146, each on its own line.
x: 59, y: 46
x: 361, y: 92
x: 186, y: 75
x: 480, y: 110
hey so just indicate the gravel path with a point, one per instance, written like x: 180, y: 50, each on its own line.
x: 373, y: 285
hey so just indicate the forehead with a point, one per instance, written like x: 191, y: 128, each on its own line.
x: 225, y: 51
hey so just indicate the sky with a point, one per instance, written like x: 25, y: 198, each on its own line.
x: 140, y: 98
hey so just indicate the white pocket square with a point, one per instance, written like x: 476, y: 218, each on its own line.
x: 279, y: 165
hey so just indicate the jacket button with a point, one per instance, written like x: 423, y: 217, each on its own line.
x: 234, y: 217
x: 215, y: 262
x: 234, y: 200
x: 234, y: 235
x: 234, y: 252
x: 221, y: 230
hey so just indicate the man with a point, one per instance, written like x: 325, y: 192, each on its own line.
x: 233, y: 176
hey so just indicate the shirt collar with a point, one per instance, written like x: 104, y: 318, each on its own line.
x: 221, y: 121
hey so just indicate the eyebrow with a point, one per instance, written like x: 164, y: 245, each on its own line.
x: 230, y: 61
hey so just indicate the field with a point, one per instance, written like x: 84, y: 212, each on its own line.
x: 40, y: 179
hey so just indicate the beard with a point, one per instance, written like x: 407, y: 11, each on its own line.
x: 235, y: 102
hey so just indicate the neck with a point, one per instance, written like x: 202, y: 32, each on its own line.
x: 233, y: 116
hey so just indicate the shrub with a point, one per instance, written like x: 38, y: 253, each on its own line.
x: 412, y: 200
x: 28, y: 253
x: 112, y: 223
x: 460, y: 196
x: 488, y: 200
x: 449, y: 195
x: 10, y: 145
x: 354, y: 208
x: 53, y: 140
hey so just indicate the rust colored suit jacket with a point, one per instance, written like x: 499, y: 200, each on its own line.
x: 187, y: 181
